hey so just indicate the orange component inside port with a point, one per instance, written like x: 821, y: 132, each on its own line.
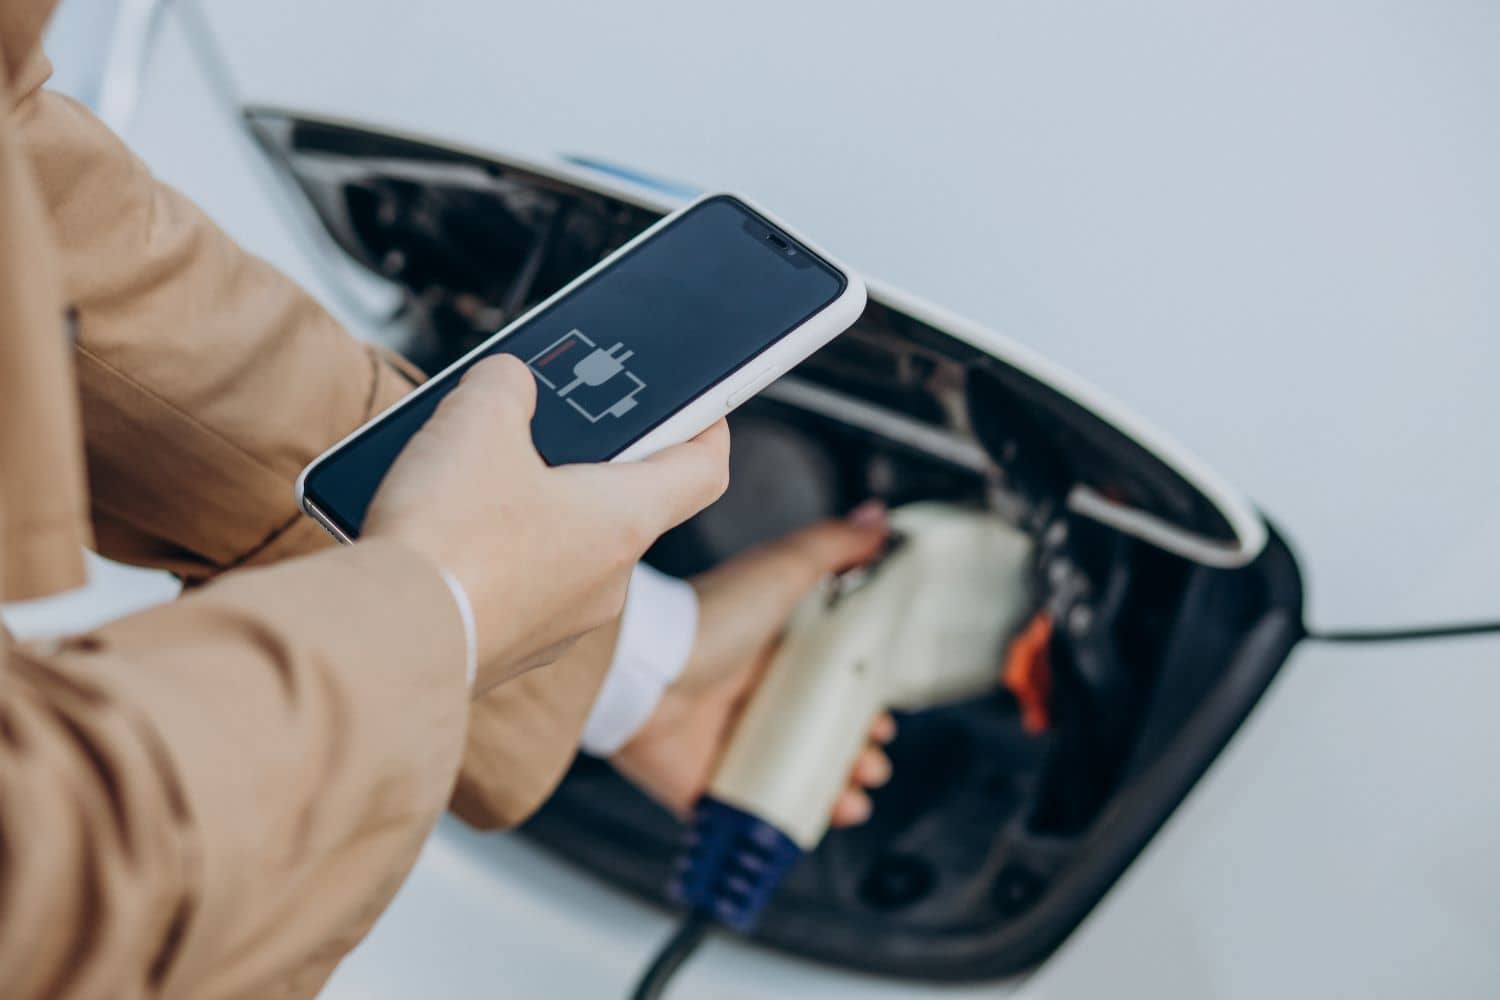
x: 1028, y: 672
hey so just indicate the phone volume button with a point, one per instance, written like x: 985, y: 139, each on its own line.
x: 757, y: 382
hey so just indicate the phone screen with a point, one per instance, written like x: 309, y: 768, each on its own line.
x: 674, y: 316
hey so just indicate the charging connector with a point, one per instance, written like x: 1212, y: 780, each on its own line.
x: 733, y: 863
x: 731, y: 866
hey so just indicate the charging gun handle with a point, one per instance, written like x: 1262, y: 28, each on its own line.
x: 790, y: 756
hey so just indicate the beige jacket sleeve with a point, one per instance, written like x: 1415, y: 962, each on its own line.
x: 208, y: 380
x: 215, y: 798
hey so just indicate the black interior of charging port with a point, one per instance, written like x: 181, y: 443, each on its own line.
x: 990, y: 843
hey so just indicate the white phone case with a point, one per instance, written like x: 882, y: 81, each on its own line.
x: 720, y: 399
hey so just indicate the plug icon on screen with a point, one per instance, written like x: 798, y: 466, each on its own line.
x: 597, y: 384
x: 597, y: 368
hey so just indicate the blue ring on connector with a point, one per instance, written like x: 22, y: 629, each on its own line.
x: 732, y: 864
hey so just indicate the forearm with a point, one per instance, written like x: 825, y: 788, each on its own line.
x: 214, y: 796
x: 208, y: 380
x: 523, y: 735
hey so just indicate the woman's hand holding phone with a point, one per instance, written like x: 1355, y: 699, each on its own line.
x: 543, y: 552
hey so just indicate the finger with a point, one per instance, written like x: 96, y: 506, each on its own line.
x: 835, y: 545
x: 852, y: 808
x: 883, y: 729
x: 677, y: 482
x: 718, y: 433
x: 508, y: 379
x: 872, y: 768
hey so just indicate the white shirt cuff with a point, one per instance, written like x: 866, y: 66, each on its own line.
x: 656, y: 638
x: 471, y: 631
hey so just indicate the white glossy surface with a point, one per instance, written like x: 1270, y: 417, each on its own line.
x: 1342, y: 846
x: 113, y: 591
x: 489, y: 915
x: 1269, y: 229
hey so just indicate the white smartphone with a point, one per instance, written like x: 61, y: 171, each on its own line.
x: 645, y: 349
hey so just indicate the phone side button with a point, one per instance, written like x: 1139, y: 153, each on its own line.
x: 758, y: 382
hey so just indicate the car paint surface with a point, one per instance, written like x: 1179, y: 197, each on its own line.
x: 1269, y: 230
x: 1341, y: 846
x: 1338, y: 847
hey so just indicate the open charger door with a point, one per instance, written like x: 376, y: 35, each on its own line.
x: 418, y: 214
x: 992, y: 842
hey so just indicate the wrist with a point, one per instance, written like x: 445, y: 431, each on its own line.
x: 471, y: 630
x: 457, y: 593
x: 491, y: 649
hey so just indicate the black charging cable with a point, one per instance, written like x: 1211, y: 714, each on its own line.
x: 678, y: 949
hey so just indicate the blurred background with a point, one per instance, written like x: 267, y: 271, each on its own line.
x: 1271, y: 230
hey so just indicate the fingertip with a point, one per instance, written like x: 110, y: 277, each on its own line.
x: 838, y: 544
x: 873, y: 768
x: 852, y: 808
x: 496, y: 366
x: 687, y: 477
x: 709, y: 445
x: 883, y: 729
x: 715, y: 434
x: 522, y: 382
x: 871, y: 514
x: 505, y: 374
x: 715, y: 439
x: 715, y: 466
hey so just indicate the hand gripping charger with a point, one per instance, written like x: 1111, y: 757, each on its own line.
x: 926, y: 625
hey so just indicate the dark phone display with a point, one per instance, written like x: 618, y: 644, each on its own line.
x: 624, y: 351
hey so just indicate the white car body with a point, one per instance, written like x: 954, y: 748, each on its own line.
x: 1269, y: 231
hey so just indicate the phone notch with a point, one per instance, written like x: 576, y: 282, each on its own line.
x: 777, y: 243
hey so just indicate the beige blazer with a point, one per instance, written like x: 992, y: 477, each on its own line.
x: 214, y: 798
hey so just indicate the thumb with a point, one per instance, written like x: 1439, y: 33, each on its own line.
x: 508, y: 379
x: 835, y: 545
x: 745, y: 603
x: 781, y: 573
